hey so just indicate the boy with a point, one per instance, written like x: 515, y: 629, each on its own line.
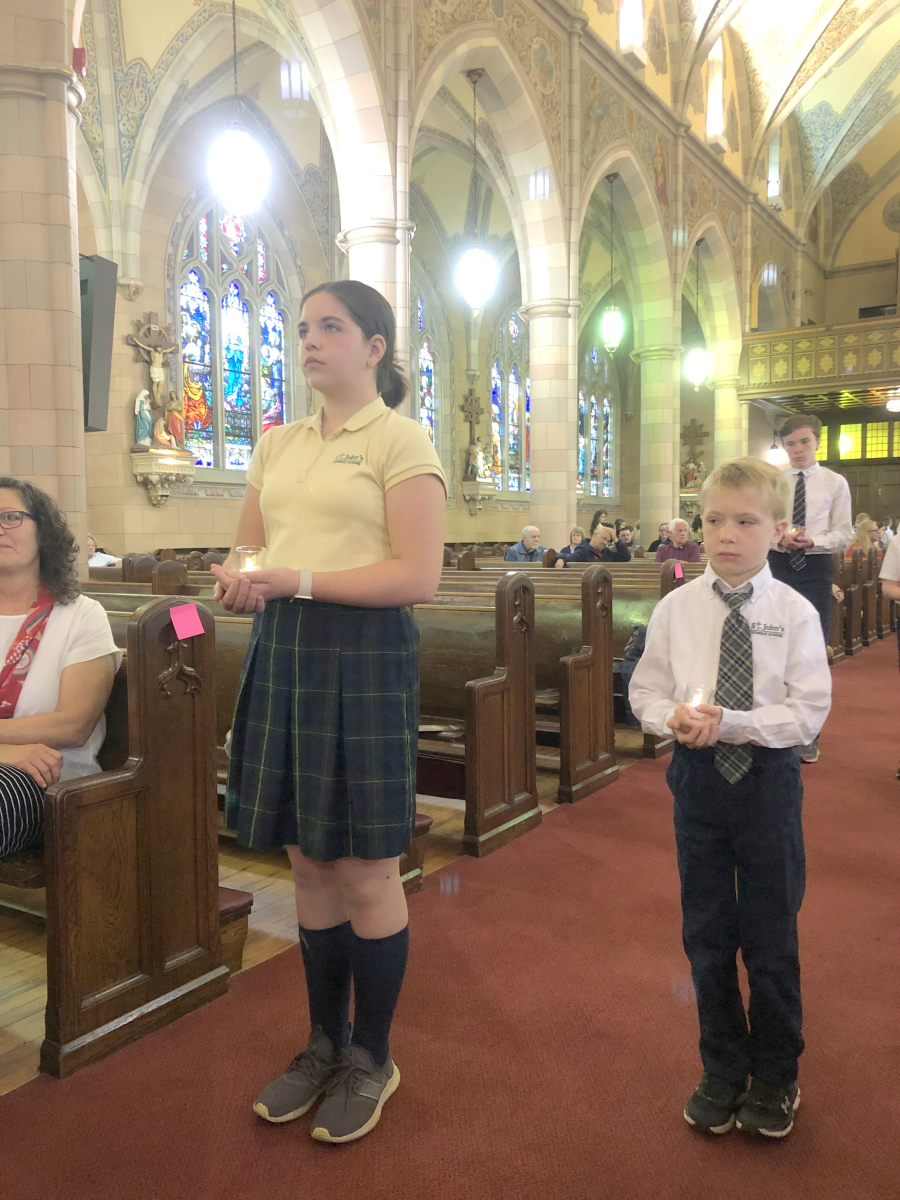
x: 736, y: 781
x: 819, y: 512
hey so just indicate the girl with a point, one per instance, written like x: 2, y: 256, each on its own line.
x: 349, y: 504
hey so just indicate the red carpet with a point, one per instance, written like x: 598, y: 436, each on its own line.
x: 546, y: 1033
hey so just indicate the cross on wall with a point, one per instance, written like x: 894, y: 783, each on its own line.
x: 693, y: 436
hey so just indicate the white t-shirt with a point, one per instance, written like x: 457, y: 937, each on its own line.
x: 890, y: 564
x: 99, y: 559
x: 75, y: 633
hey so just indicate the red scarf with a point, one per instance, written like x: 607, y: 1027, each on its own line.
x: 22, y: 651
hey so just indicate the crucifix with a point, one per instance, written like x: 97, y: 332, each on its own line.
x: 473, y: 412
x: 153, y: 344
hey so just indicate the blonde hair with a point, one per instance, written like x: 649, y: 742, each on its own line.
x: 751, y: 472
x: 579, y: 530
x: 864, y: 527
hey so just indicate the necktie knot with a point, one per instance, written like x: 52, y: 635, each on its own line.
x: 734, y: 600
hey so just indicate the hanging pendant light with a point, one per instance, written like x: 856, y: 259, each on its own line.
x: 612, y: 323
x: 238, y: 167
x: 776, y: 455
x: 477, y: 271
x: 698, y: 364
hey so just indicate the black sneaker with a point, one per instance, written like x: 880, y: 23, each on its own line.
x: 769, y: 1110
x: 711, y: 1108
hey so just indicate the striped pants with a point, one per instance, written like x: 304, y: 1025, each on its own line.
x: 21, y: 811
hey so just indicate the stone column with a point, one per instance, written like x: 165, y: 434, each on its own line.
x: 660, y: 435
x: 732, y: 422
x: 41, y: 404
x: 552, y: 351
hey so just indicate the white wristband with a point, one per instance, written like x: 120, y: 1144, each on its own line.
x: 304, y: 591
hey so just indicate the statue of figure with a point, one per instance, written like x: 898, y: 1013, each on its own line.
x: 154, y: 350
x: 475, y: 468
x: 143, y: 419
x: 175, y: 420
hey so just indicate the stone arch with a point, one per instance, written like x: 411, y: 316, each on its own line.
x: 539, y: 226
x: 640, y: 219
x: 720, y: 315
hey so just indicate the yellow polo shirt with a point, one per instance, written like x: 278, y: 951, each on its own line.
x: 323, y: 501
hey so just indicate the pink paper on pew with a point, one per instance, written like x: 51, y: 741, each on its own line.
x: 186, y: 620
x: 679, y: 573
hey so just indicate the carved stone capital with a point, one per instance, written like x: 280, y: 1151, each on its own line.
x: 651, y: 352
x: 476, y: 495
x: 159, y: 470
x: 552, y: 307
x: 384, y: 230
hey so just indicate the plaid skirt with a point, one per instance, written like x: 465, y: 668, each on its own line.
x: 323, y: 745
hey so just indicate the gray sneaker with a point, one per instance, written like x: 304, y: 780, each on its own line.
x: 355, y: 1097
x: 296, y: 1091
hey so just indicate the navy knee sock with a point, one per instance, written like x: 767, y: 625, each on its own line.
x: 327, y: 963
x: 378, y: 968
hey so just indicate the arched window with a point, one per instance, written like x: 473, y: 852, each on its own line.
x: 510, y: 406
x: 595, y: 425
x: 233, y: 342
x: 426, y: 388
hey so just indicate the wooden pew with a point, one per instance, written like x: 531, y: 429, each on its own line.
x: 130, y: 857
x: 850, y: 586
x: 869, y: 596
x: 573, y: 677
x: 232, y: 639
x: 495, y: 771
x: 838, y: 609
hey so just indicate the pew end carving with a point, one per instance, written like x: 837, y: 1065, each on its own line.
x: 131, y: 860
x: 587, y: 738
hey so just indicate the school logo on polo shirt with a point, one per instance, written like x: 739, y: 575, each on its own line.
x: 765, y: 630
x: 354, y: 460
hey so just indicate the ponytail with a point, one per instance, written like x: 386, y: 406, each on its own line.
x: 374, y: 316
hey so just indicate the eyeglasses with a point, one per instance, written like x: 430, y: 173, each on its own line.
x: 13, y: 518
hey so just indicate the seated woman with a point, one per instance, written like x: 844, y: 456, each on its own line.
x: 99, y: 558
x: 865, y: 536
x: 57, y: 663
x: 603, y: 547
x: 576, y: 537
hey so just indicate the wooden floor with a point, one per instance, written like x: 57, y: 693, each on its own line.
x: 273, y: 921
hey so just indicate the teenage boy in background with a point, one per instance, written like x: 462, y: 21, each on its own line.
x: 819, y: 513
x: 735, y: 777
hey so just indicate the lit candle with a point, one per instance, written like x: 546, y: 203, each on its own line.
x: 248, y: 557
x: 695, y: 694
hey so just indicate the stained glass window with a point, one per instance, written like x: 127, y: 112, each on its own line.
x: 594, y: 444
x: 822, y: 448
x: 493, y: 453
x: 513, y: 463
x: 234, y: 231
x: 511, y: 405
x: 426, y: 388
x: 876, y: 439
x: 850, y: 442
x: 235, y: 334
x: 195, y: 354
x: 897, y: 439
x: 527, y: 433
x: 271, y: 363
x: 420, y: 314
x: 236, y: 379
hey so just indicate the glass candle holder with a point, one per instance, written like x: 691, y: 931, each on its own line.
x: 248, y: 557
x: 696, y: 693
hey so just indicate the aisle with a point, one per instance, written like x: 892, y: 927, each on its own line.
x: 546, y: 1035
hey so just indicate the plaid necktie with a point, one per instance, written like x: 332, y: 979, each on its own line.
x: 797, y: 558
x: 734, y: 685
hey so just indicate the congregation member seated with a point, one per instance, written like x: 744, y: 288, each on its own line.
x: 627, y: 538
x: 865, y: 536
x: 890, y: 571
x: 887, y: 536
x: 98, y: 558
x: 576, y: 537
x: 529, y: 549
x: 58, y: 663
x: 662, y: 540
x: 679, y: 546
x: 603, y: 547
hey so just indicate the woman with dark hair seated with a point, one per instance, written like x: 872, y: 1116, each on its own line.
x: 57, y: 663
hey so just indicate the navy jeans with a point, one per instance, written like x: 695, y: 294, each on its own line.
x: 814, y: 582
x: 743, y: 873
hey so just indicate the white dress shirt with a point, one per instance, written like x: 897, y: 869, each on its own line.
x: 829, y: 522
x: 890, y: 564
x: 791, y: 679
